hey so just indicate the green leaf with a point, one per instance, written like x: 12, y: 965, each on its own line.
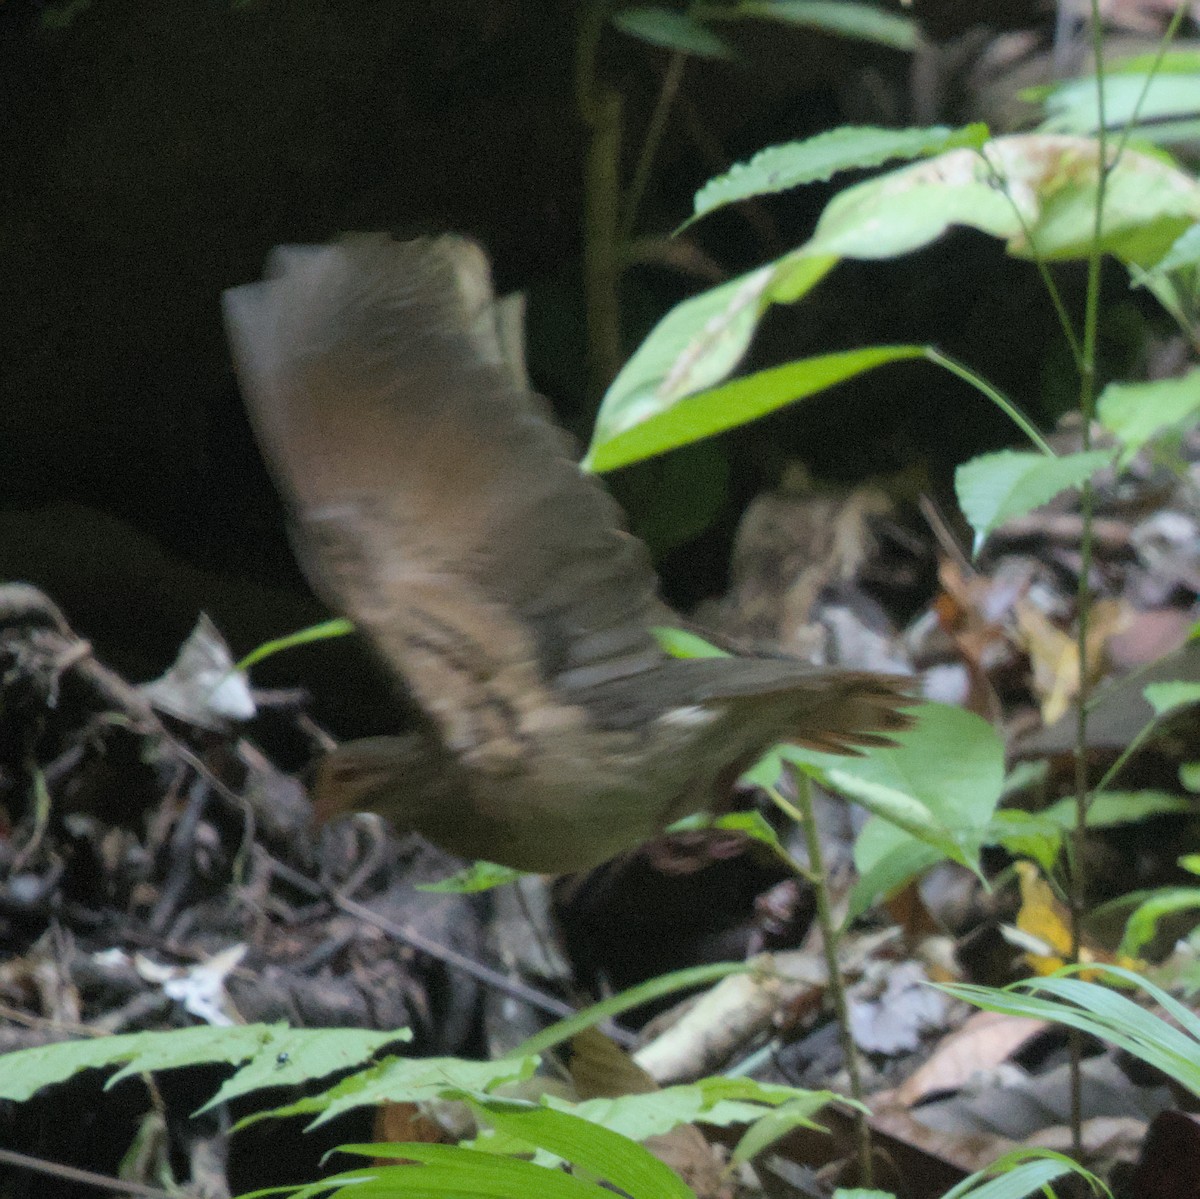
x: 766, y: 772
x: 906, y: 209
x: 479, y: 876
x: 751, y: 824
x: 1021, y: 1172
x: 1030, y: 189
x: 404, y: 1080
x: 669, y: 424
x: 697, y: 344
x: 818, y: 158
x: 994, y: 488
x: 716, y: 1101
x: 1026, y: 835
x: 1189, y: 775
x: 296, y: 1056
x: 671, y: 29
x: 606, y: 1154
x: 894, y: 859
x: 452, y: 1172
x: 944, y: 800
x: 1105, y: 1014
x: 909, y: 816
x: 1136, y: 412
x: 1148, y: 202
x: 776, y: 1125
x: 960, y: 789
x: 1073, y: 106
x: 1184, y: 253
x: 724, y: 1088
x: 1142, y: 924
x: 680, y: 643
x: 866, y: 22
x: 276, y: 1055
x: 795, y: 275
x: 1111, y: 808
x: 1166, y: 697
x: 1033, y: 190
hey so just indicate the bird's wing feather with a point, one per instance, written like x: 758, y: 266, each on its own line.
x: 436, y: 505
x: 833, y: 710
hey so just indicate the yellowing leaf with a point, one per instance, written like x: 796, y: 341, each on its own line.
x: 1044, y: 921
x: 1054, y: 653
x: 1043, y: 918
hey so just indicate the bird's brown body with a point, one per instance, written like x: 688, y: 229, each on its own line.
x: 437, y: 505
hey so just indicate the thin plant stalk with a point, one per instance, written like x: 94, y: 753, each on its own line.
x: 1181, y: 10
x: 654, y: 134
x: 934, y: 355
x: 1087, y: 406
x: 1060, y: 307
x: 600, y: 108
x: 829, y: 942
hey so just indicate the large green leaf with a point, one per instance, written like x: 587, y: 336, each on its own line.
x: 994, y: 488
x: 1073, y: 106
x: 1166, y: 697
x: 867, y: 22
x: 696, y: 345
x: 275, y: 1055
x: 1021, y: 1173
x: 1104, y: 1013
x: 920, y: 796
x: 1136, y: 412
x: 405, y: 1080
x: 850, y: 147
x: 960, y: 789
x: 671, y: 29
x: 447, y: 1172
x: 601, y: 1152
x: 1033, y: 190
x: 675, y: 423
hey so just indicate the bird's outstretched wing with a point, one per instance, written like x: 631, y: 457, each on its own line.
x: 434, y: 501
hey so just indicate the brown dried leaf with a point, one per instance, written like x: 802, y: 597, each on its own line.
x: 985, y: 1039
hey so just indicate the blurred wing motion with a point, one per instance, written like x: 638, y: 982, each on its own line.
x: 437, y: 505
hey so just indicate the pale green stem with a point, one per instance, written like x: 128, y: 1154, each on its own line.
x: 803, y: 812
x: 997, y: 397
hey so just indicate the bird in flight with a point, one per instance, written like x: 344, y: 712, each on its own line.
x: 437, y: 505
